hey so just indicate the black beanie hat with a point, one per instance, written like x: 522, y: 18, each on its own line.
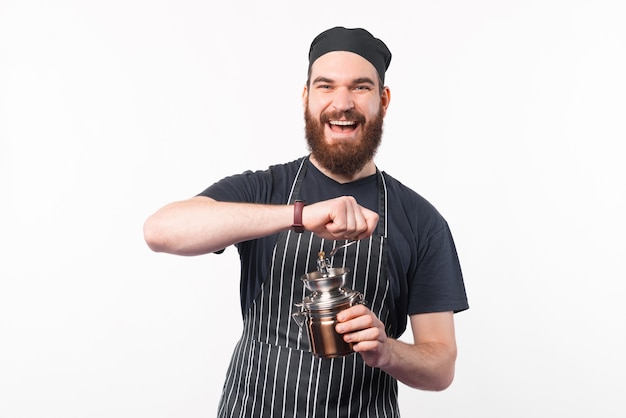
x: 355, y: 40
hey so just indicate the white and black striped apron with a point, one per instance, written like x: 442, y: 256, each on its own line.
x: 272, y: 371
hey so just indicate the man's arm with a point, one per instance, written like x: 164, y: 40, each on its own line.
x: 201, y: 225
x: 426, y: 364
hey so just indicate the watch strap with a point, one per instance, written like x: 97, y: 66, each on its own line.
x: 297, y: 226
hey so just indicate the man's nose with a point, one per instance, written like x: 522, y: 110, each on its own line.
x: 342, y: 100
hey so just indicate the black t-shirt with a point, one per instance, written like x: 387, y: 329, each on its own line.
x: 424, y: 270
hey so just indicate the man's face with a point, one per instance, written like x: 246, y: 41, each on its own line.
x: 344, y: 112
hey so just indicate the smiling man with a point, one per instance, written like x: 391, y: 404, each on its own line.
x: 404, y: 263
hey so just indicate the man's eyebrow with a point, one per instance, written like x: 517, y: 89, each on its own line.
x: 364, y: 80
x: 322, y: 80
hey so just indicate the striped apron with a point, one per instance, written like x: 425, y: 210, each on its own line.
x: 272, y: 372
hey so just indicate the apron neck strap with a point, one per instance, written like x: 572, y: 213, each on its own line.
x: 381, y: 229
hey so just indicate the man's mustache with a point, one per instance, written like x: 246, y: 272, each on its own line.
x: 350, y: 115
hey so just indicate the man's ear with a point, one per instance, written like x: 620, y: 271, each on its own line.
x: 385, y: 98
x: 305, y: 96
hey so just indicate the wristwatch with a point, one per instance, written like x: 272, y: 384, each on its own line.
x: 297, y: 226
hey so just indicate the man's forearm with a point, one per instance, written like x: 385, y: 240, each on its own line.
x: 426, y: 366
x: 201, y: 225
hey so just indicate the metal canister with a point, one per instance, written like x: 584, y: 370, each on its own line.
x: 318, y: 311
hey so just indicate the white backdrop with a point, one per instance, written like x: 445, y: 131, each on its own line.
x: 507, y: 116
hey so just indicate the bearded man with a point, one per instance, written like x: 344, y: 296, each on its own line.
x: 404, y: 262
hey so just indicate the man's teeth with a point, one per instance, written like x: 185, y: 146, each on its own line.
x: 342, y: 122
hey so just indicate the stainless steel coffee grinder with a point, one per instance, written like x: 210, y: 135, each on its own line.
x: 318, y: 311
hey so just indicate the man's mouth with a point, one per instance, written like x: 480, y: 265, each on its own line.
x: 343, y: 125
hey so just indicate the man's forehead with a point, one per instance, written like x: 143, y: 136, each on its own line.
x: 343, y: 64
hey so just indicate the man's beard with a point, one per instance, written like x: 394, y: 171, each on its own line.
x: 345, y: 158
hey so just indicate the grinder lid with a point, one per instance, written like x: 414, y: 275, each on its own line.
x: 337, y: 300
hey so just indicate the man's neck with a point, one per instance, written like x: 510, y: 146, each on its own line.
x: 367, y: 170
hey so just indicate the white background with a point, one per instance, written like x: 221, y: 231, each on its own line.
x: 509, y: 116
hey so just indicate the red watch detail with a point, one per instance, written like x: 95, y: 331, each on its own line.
x: 297, y: 226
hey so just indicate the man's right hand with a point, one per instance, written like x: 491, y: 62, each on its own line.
x: 341, y: 218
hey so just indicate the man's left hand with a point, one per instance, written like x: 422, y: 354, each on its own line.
x: 361, y: 327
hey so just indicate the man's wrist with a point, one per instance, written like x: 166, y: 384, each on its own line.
x: 297, y: 226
